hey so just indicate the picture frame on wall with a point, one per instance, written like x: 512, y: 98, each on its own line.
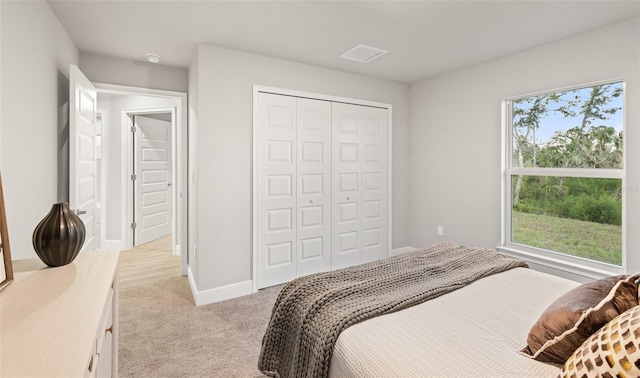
x: 6, y: 268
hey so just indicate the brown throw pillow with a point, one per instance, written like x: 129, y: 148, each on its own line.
x: 577, y: 314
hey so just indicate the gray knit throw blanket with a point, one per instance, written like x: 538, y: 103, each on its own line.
x: 310, y: 312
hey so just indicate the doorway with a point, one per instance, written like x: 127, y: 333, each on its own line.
x: 98, y: 143
x: 142, y: 164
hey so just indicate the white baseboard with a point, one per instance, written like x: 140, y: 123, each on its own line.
x: 240, y: 289
x: 218, y: 294
x: 112, y: 244
x: 192, y: 285
x: 399, y: 251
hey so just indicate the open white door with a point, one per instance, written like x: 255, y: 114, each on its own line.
x: 152, y: 184
x: 82, y: 156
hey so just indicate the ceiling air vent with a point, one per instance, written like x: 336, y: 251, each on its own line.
x: 363, y: 53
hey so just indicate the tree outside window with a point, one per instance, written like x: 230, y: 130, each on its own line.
x: 566, y: 172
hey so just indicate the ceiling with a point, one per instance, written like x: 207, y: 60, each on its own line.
x: 424, y: 38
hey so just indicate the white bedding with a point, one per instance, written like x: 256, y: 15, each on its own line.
x: 476, y: 331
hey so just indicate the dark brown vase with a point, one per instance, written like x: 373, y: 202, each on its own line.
x: 58, y: 237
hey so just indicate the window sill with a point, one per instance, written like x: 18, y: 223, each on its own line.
x: 560, y: 267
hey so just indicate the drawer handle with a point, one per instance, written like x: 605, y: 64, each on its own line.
x: 110, y: 330
x: 93, y: 363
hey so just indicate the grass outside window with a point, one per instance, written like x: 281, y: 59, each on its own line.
x: 590, y: 240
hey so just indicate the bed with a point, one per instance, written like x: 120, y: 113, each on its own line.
x: 476, y: 331
x: 476, y: 328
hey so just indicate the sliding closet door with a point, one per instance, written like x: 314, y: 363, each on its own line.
x: 321, y: 186
x: 276, y: 149
x: 359, y: 204
x: 374, y: 184
x: 347, y: 189
x: 314, y: 186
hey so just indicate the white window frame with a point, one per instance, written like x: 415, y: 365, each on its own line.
x: 576, y: 267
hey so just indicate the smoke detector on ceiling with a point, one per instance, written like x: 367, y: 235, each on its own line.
x: 363, y: 53
x: 153, y: 58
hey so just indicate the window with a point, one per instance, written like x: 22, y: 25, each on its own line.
x: 565, y: 172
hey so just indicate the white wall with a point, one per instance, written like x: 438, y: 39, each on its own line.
x: 224, y: 149
x: 36, y: 54
x: 455, y: 174
x: 108, y: 69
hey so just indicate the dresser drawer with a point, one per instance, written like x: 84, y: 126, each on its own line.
x: 106, y: 322
x: 93, y: 366
x: 104, y: 333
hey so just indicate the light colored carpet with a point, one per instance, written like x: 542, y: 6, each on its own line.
x: 163, y: 334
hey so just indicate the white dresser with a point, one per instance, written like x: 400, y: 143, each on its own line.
x: 62, y: 322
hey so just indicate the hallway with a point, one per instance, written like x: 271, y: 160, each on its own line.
x: 149, y: 262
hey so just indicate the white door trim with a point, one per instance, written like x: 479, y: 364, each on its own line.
x: 289, y: 92
x: 179, y: 163
x: 104, y: 119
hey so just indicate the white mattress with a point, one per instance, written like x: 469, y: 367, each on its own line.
x: 476, y: 331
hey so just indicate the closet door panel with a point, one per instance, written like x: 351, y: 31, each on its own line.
x: 322, y: 179
x: 374, y: 184
x: 314, y: 186
x: 346, y: 185
x: 277, y: 186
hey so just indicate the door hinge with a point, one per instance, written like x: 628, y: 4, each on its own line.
x: 133, y: 177
x: 133, y: 129
x: 133, y: 225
